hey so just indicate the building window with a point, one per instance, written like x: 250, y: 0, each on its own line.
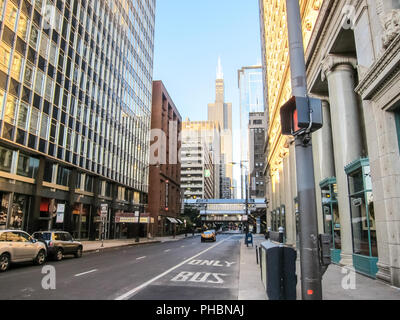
x: 89, y: 183
x: 48, y: 172
x: 362, y: 209
x: 27, y: 166
x: 5, y: 159
x: 331, y: 218
x: 63, y: 176
x: 107, y: 192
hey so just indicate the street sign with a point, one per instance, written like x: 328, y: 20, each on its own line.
x: 60, y: 213
x: 104, y: 210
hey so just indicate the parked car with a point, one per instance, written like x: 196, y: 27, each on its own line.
x: 208, y: 235
x: 18, y: 246
x: 59, y: 243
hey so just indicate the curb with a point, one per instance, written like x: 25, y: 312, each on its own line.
x: 120, y: 246
x: 177, y: 239
x: 134, y: 244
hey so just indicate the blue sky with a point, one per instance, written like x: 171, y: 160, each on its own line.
x: 190, y: 35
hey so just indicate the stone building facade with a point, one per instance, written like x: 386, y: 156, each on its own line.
x: 353, y: 65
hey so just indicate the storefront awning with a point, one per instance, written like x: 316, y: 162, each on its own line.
x: 180, y: 221
x: 172, y: 220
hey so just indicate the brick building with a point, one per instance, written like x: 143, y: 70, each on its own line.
x: 165, y: 168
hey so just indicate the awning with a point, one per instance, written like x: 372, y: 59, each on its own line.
x: 172, y: 220
x: 180, y: 221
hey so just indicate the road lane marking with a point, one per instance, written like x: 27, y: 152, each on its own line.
x: 83, y: 273
x: 140, y: 258
x: 168, y: 250
x: 130, y: 293
x: 186, y: 276
x: 182, y: 246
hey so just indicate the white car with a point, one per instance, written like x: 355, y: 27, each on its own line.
x: 18, y: 246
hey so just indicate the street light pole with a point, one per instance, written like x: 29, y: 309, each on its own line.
x: 309, y: 256
x: 247, y: 200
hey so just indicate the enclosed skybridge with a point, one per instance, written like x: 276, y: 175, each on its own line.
x: 228, y: 210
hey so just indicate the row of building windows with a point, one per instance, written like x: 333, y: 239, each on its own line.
x: 71, y: 110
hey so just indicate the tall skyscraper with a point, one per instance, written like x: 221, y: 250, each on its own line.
x: 75, y: 106
x: 250, y: 84
x: 256, y: 129
x: 200, y: 155
x: 221, y: 112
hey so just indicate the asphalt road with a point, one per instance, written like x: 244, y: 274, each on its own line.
x: 180, y: 270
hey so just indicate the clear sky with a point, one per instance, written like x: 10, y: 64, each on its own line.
x: 190, y: 35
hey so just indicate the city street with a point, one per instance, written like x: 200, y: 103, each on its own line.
x: 179, y: 270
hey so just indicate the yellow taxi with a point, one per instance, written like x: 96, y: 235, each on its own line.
x: 208, y: 235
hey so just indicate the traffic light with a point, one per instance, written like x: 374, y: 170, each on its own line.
x: 301, y: 115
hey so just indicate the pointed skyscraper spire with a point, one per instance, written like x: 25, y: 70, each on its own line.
x: 220, y: 74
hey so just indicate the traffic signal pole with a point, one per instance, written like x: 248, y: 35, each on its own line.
x: 311, y: 286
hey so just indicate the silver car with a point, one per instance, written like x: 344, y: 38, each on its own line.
x: 18, y: 246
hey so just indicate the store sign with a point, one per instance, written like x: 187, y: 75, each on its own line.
x: 60, y: 213
x: 357, y: 202
x: 124, y: 217
x: 126, y: 220
x: 144, y: 220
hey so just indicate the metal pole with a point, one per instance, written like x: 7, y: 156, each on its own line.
x: 138, y: 227
x: 247, y: 202
x: 309, y: 258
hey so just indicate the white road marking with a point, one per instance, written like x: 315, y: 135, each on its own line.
x: 130, y: 293
x: 182, y: 246
x: 168, y: 250
x: 83, y: 273
x: 140, y: 258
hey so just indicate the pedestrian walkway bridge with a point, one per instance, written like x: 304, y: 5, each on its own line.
x: 227, y: 210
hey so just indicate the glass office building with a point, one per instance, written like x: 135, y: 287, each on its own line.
x: 251, y: 100
x: 75, y: 109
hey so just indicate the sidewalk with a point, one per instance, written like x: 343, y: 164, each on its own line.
x: 340, y: 284
x: 93, y: 246
x: 250, y: 284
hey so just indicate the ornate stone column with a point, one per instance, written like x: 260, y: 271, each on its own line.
x: 339, y: 71
x: 390, y: 20
x: 324, y: 164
